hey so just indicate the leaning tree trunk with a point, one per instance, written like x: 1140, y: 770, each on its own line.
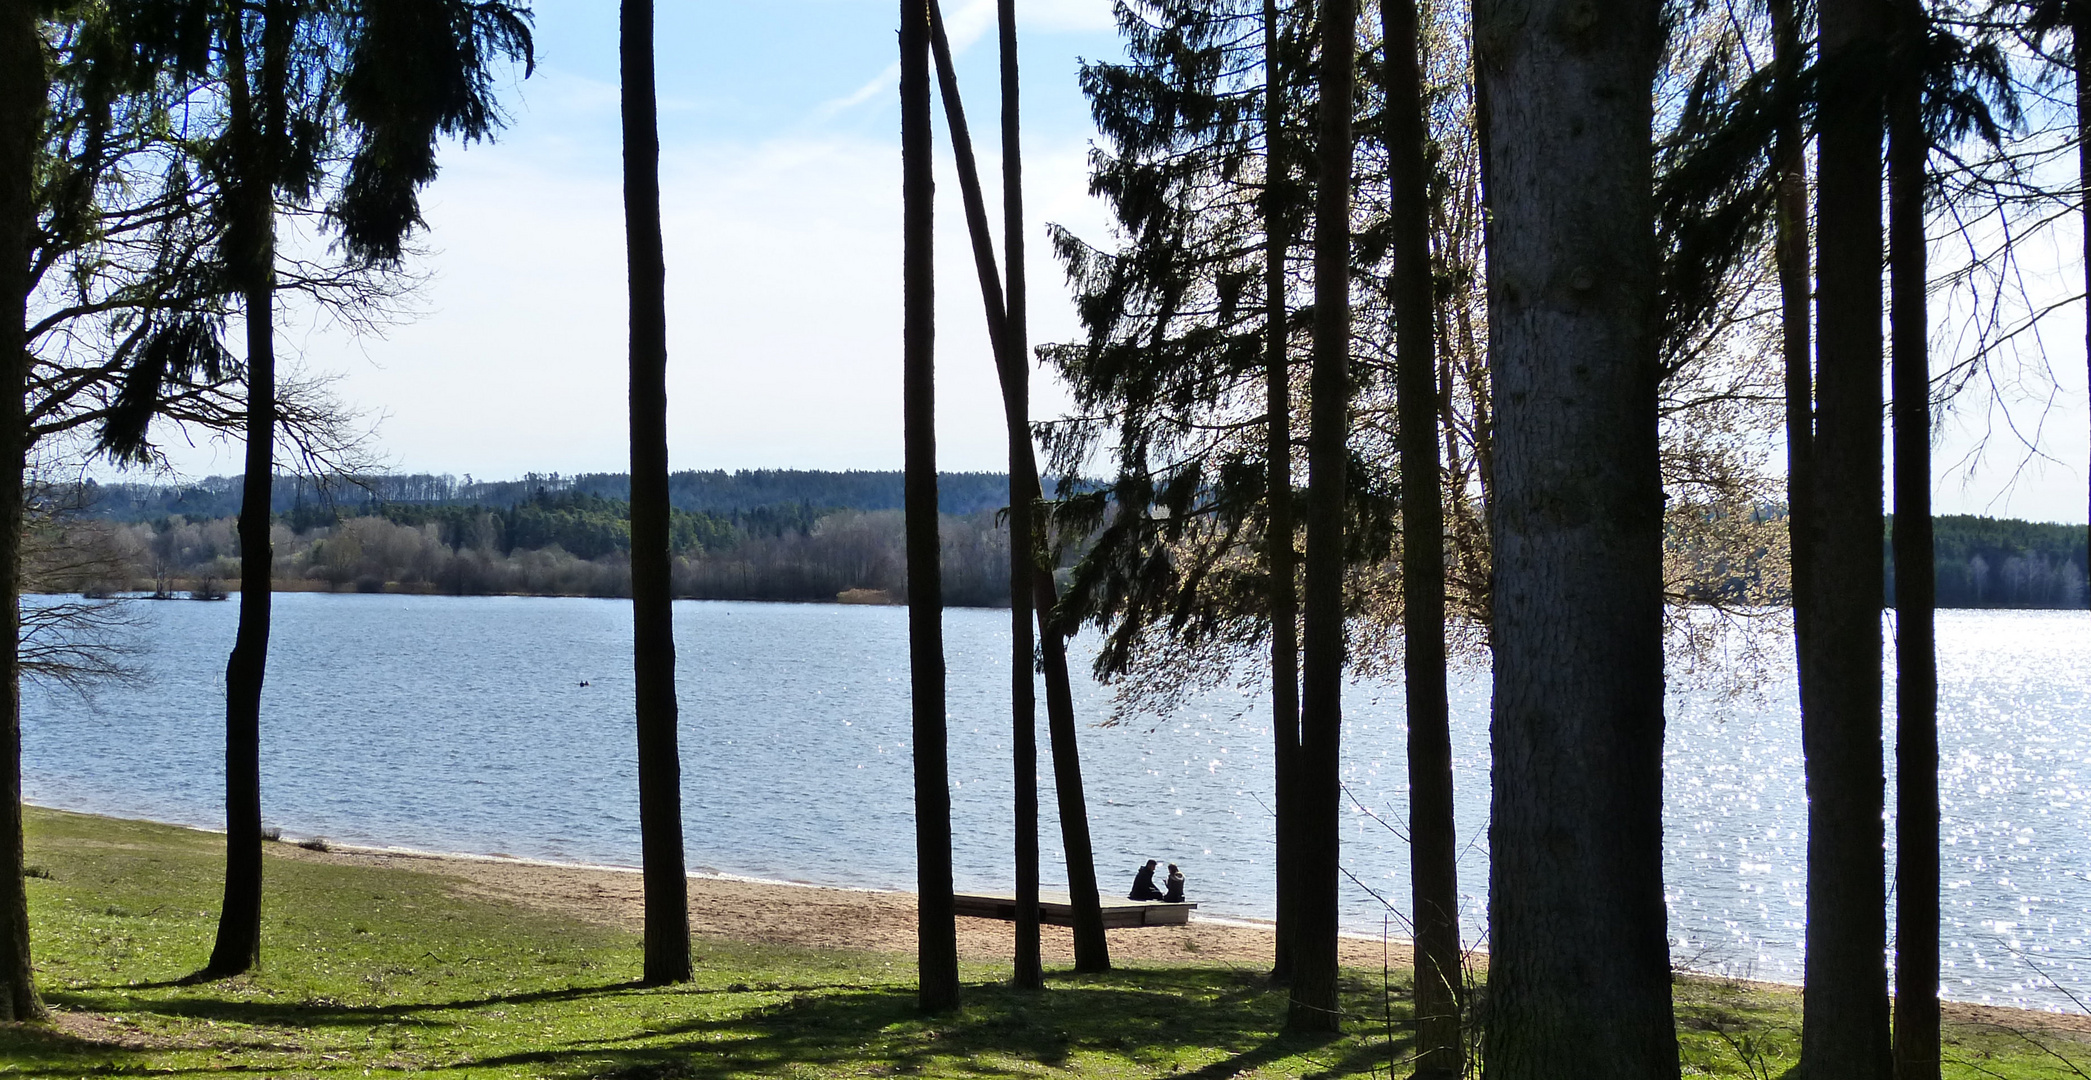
x: 1314, y: 1005
x: 1278, y: 541
x: 1844, y: 1027
x: 1916, y: 1008
x: 937, y: 926
x: 251, y: 247
x: 1023, y: 533
x: 21, y: 111
x: 1579, y: 966
x: 1433, y: 838
x: 653, y: 619
x: 1092, y: 952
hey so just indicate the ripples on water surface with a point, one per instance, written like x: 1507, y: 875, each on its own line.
x: 461, y: 725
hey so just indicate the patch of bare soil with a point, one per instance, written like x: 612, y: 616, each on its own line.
x: 824, y: 918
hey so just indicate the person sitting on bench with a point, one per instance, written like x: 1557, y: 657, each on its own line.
x: 1143, y: 884
x: 1175, y: 894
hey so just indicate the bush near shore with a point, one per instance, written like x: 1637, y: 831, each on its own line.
x: 371, y: 970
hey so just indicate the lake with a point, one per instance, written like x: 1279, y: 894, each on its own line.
x: 462, y: 725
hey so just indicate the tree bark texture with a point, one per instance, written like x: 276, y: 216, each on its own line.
x: 22, y: 89
x: 1284, y: 602
x: 1023, y: 532
x: 1844, y: 1030
x: 1579, y: 971
x: 257, y: 130
x: 667, y: 915
x: 937, y: 928
x: 1433, y: 837
x: 1313, y: 1005
x: 1916, y: 1006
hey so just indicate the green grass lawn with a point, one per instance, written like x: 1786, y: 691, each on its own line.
x: 372, y: 971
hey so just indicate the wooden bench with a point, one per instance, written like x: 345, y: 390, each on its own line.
x: 1057, y: 909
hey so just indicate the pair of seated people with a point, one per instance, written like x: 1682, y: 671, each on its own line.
x: 1143, y: 885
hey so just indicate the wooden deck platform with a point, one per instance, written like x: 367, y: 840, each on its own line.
x: 1057, y: 909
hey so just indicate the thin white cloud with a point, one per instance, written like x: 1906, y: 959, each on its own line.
x: 882, y: 83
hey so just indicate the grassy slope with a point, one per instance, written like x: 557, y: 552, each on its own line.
x: 381, y: 971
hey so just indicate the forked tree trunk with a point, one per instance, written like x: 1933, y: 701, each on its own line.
x: 937, y: 927
x: 22, y: 88
x: 1023, y: 533
x: 1433, y: 838
x: 251, y: 243
x: 1916, y: 1015
x: 653, y: 621
x: 1844, y: 1028
x: 1314, y: 1005
x: 1579, y: 966
x: 1092, y: 952
x: 1284, y: 602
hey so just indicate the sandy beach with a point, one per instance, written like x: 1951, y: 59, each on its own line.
x: 817, y: 917
x: 830, y: 918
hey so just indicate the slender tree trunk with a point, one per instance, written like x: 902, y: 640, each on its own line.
x: 1433, y: 838
x: 1916, y: 1010
x: 1092, y: 952
x: 1314, y: 1004
x: 1844, y: 1030
x: 1579, y: 966
x: 937, y: 928
x: 1796, y: 328
x: 22, y: 88
x: 2080, y: 60
x: 251, y: 242
x: 1285, y: 608
x: 653, y: 618
x: 1023, y: 533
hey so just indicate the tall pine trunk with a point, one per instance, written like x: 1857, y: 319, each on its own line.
x: 937, y: 926
x: 1796, y: 330
x: 653, y: 620
x: 1092, y: 952
x: 22, y: 88
x: 258, y: 129
x: 1433, y: 838
x: 1023, y: 534
x: 1284, y: 603
x: 1579, y: 967
x: 1916, y: 1010
x: 1844, y: 1030
x: 1314, y: 993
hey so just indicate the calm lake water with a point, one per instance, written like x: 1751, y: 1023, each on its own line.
x: 461, y: 725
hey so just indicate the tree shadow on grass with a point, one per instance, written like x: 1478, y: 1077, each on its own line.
x: 1206, y: 1023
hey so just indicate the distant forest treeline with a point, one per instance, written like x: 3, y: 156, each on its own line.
x: 715, y: 492
x: 2003, y: 563
x: 759, y: 535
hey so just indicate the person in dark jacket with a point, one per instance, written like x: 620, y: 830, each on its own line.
x: 1143, y: 884
x: 1175, y: 893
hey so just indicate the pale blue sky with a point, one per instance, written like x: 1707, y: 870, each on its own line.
x: 780, y: 175
x: 781, y: 181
